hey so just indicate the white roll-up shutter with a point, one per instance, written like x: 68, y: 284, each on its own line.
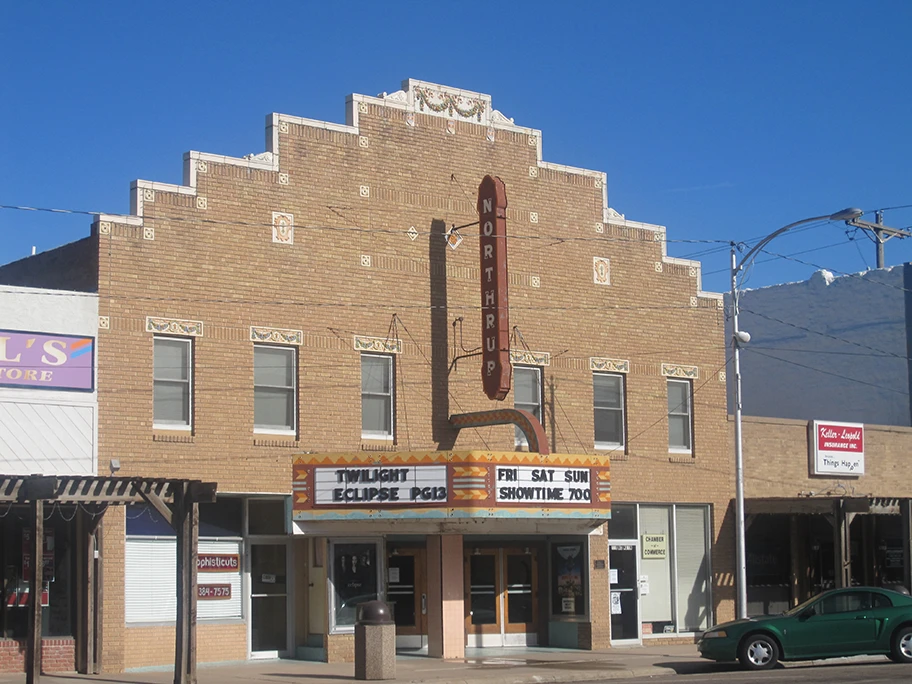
x: 151, y: 581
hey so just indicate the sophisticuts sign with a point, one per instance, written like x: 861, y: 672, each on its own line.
x: 496, y: 371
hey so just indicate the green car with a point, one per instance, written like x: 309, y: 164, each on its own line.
x: 840, y: 622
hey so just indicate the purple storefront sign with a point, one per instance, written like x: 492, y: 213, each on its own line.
x: 43, y: 361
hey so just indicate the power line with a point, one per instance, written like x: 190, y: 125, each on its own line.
x: 822, y: 334
x: 386, y: 304
x: 354, y: 229
x: 841, y: 376
x: 859, y: 276
x: 822, y: 352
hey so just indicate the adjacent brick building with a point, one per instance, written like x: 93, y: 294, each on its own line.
x: 828, y: 356
x: 315, y: 309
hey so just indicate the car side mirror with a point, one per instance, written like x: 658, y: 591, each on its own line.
x: 806, y: 614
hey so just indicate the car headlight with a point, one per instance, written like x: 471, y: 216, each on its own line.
x: 718, y: 634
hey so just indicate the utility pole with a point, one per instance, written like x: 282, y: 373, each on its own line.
x: 881, y: 233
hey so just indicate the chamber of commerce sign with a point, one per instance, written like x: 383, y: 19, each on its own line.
x: 46, y: 361
x: 836, y: 448
x: 450, y: 484
x: 496, y: 370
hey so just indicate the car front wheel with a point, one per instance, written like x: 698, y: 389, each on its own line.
x: 901, y: 646
x: 758, y: 652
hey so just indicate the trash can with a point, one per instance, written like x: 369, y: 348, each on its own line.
x: 375, y: 642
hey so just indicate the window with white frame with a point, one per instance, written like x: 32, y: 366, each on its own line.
x: 377, y: 396
x: 527, y: 395
x: 274, y: 390
x: 172, y: 382
x: 680, y: 415
x: 608, y: 407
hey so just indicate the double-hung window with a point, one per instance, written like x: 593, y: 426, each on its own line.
x: 377, y: 396
x: 680, y: 416
x: 608, y: 407
x: 274, y: 390
x: 527, y: 394
x: 172, y: 381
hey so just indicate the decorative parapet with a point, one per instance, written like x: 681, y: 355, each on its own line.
x: 674, y: 370
x: 174, y: 326
x: 458, y: 103
x: 530, y: 358
x: 449, y: 103
x: 597, y: 363
x: 378, y: 344
x: 276, y: 335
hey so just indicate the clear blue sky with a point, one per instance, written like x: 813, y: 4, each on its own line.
x: 720, y: 120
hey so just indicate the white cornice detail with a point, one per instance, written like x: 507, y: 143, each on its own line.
x: 119, y: 218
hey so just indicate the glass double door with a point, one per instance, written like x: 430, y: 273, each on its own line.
x: 406, y: 590
x: 501, y: 590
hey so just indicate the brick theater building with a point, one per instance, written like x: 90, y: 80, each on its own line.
x: 308, y: 327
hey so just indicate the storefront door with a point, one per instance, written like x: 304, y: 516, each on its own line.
x: 625, y: 592
x: 407, y: 591
x: 501, y: 597
x: 269, y: 587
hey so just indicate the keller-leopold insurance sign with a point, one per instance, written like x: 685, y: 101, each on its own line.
x: 836, y: 448
x: 47, y: 361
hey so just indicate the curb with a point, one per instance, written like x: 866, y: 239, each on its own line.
x: 844, y: 660
x: 589, y: 676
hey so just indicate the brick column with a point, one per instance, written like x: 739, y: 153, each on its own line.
x: 598, y: 635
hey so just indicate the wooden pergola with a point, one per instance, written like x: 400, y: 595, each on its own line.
x: 177, y: 501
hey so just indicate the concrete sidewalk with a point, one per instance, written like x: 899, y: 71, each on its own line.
x: 504, y: 666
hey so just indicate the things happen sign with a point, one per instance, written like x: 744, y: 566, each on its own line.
x: 836, y: 448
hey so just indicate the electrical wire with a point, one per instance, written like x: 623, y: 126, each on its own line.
x: 842, y: 376
x: 356, y: 229
x: 858, y: 276
x: 823, y: 334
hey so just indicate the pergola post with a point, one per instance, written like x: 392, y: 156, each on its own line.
x: 185, y: 521
x: 88, y: 522
x: 36, y: 584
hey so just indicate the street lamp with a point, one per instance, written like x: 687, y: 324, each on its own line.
x: 740, y: 337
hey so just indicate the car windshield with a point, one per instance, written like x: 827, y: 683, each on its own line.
x: 801, y: 606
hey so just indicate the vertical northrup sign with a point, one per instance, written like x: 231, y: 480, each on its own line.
x: 496, y: 371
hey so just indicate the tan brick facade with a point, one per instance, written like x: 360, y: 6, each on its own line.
x: 152, y: 646
x: 776, y: 463
x: 207, y: 253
